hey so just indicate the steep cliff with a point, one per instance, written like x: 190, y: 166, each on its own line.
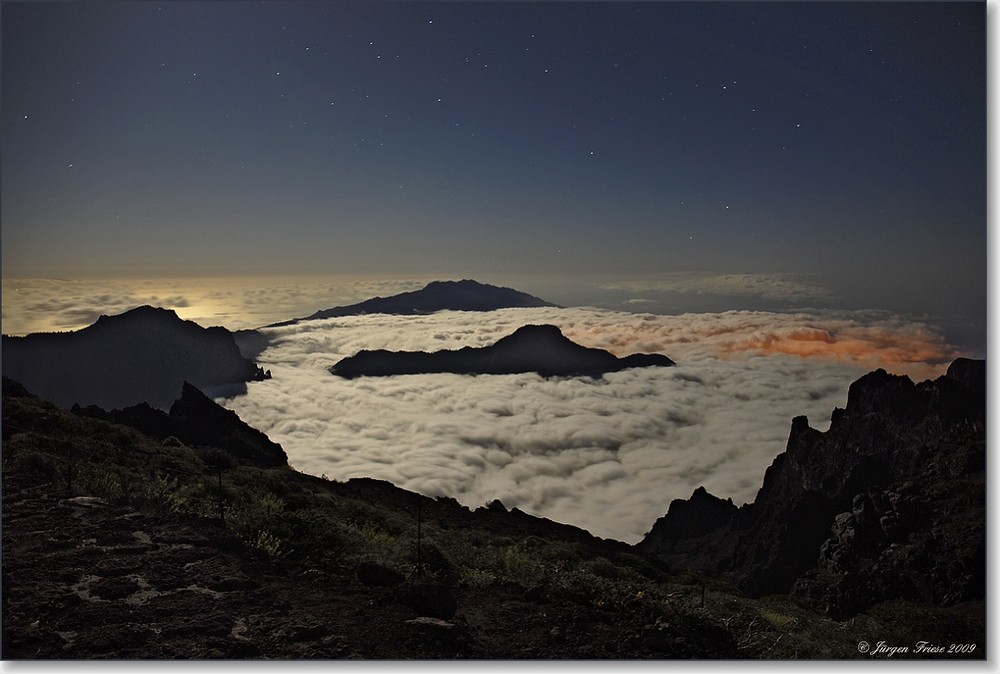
x: 888, y: 503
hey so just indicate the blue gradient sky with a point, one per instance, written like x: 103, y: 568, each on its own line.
x: 845, y: 140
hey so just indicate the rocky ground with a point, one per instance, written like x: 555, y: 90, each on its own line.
x: 86, y: 579
x: 122, y: 545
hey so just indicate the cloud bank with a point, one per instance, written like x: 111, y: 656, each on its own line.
x: 783, y: 287
x: 607, y: 455
x: 59, y: 305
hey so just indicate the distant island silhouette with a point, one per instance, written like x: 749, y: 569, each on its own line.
x: 465, y: 295
x: 533, y: 348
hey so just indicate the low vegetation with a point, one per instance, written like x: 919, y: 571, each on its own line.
x: 294, y: 522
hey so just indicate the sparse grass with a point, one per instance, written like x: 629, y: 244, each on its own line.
x: 281, y: 514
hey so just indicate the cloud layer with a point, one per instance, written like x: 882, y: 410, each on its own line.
x: 608, y: 455
x: 58, y: 305
x: 784, y: 287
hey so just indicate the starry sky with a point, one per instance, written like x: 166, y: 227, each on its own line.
x: 845, y: 141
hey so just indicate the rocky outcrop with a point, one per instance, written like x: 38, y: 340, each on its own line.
x: 197, y: 420
x: 889, y: 502
x: 466, y: 295
x: 692, y: 533
x: 143, y: 355
x: 532, y: 348
x: 251, y: 343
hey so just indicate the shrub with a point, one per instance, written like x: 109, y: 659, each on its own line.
x: 267, y: 543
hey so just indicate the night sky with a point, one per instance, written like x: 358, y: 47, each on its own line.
x: 845, y: 140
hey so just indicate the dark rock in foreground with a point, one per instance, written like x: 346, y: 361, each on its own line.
x: 888, y: 503
x: 142, y: 355
x: 532, y: 348
x: 198, y: 421
x: 466, y: 295
x: 251, y: 343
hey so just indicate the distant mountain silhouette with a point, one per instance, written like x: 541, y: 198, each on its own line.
x: 142, y: 355
x: 532, y: 348
x: 466, y: 295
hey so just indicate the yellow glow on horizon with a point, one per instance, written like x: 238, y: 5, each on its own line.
x: 234, y: 302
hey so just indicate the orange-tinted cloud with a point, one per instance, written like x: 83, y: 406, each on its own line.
x: 908, y: 349
x: 899, y: 346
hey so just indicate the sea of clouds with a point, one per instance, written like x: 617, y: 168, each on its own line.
x: 605, y: 454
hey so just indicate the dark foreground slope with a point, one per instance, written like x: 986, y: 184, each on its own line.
x: 466, y: 295
x: 197, y: 421
x: 142, y: 355
x: 120, y: 545
x: 888, y: 503
x: 532, y: 348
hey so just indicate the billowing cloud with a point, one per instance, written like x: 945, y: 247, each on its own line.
x: 608, y: 455
x: 605, y: 454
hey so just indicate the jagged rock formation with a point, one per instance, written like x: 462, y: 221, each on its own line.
x: 532, y: 348
x: 251, y: 343
x: 888, y: 503
x: 196, y: 420
x: 142, y: 355
x: 466, y: 295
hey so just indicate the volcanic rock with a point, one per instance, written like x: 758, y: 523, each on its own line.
x: 888, y: 503
x: 142, y: 355
x: 196, y: 420
x: 532, y: 348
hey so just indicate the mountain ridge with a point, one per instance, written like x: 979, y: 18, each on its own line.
x: 142, y: 355
x: 542, y: 349
x: 888, y: 503
x: 464, y: 295
x: 196, y: 420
